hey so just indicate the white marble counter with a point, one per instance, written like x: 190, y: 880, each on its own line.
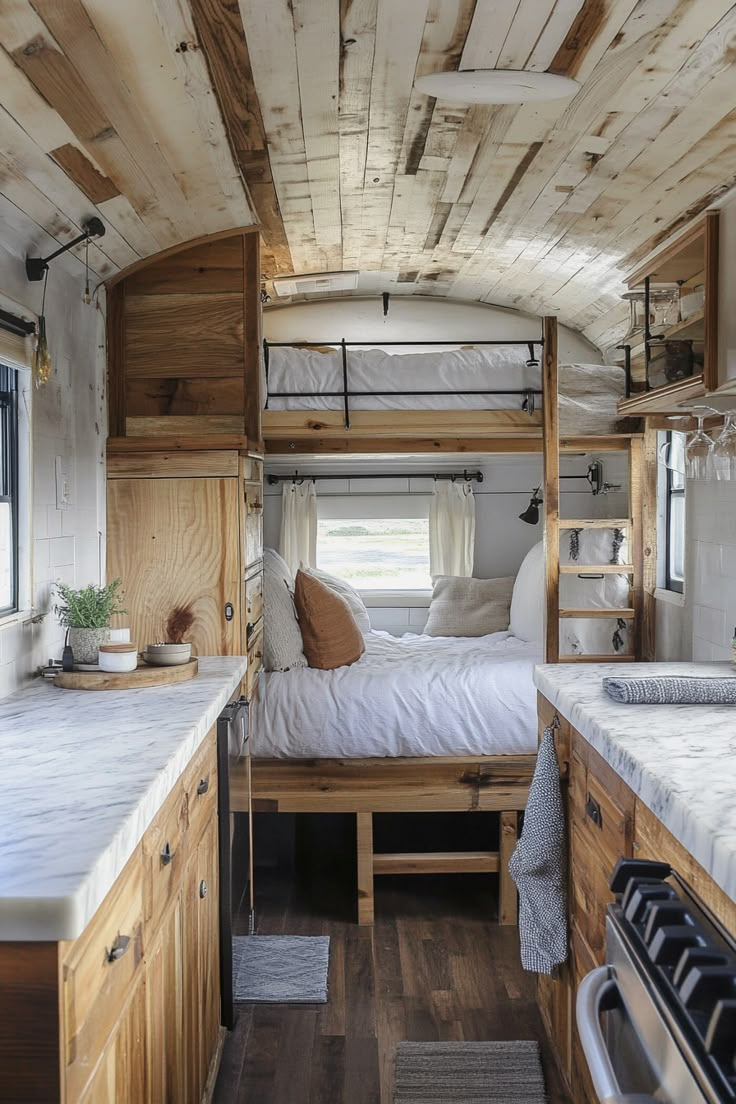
x: 679, y: 759
x: 83, y: 775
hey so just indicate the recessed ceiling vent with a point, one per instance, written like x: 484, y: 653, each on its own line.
x: 315, y: 282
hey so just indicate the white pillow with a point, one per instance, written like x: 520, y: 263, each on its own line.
x: 346, y: 591
x: 282, y: 637
x: 462, y: 606
x: 528, y: 599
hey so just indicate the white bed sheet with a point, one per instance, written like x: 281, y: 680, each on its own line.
x: 406, y: 696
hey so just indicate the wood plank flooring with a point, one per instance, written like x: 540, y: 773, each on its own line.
x: 435, y: 966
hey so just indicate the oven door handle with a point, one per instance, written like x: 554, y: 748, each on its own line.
x: 598, y: 992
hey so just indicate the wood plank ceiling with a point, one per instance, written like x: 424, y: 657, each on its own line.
x: 174, y: 118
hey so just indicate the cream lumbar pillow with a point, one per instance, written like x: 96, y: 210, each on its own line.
x: 469, y: 607
x: 346, y: 591
x: 282, y: 638
x: 329, y: 630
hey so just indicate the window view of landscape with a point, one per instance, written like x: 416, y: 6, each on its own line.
x: 376, y: 553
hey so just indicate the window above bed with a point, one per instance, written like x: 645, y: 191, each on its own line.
x: 375, y: 542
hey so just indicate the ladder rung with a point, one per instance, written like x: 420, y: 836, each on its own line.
x: 597, y: 569
x: 597, y: 658
x: 596, y: 523
x: 626, y: 614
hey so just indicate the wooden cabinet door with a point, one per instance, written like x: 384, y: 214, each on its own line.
x: 201, y: 961
x: 166, y: 1080
x: 120, y: 1077
x: 175, y: 545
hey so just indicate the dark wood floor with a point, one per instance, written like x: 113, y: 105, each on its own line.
x: 435, y: 966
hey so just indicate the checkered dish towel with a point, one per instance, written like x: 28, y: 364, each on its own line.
x: 538, y: 866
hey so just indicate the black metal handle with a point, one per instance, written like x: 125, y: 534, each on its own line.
x: 118, y: 948
x: 204, y: 785
x: 166, y: 854
x: 593, y: 811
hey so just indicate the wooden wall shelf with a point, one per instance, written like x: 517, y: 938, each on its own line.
x: 665, y: 400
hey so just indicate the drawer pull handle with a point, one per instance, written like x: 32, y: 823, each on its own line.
x: 593, y: 811
x: 204, y: 785
x: 118, y: 948
x: 167, y: 854
x: 203, y: 889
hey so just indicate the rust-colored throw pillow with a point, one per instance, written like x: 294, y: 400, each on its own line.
x: 330, y: 634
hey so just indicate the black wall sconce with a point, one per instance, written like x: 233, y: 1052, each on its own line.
x: 598, y: 485
x: 36, y: 267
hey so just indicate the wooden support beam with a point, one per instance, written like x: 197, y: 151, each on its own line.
x: 598, y: 614
x: 508, y: 902
x: 436, y: 862
x: 597, y: 569
x: 291, y: 424
x: 364, y: 839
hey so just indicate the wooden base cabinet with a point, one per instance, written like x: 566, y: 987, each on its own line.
x: 128, y: 1013
x: 605, y: 821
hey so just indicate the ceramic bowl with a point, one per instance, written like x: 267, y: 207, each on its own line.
x: 167, y: 655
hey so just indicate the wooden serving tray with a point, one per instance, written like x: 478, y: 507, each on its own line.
x: 144, y: 675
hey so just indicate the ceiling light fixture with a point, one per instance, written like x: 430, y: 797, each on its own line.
x: 496, y: 86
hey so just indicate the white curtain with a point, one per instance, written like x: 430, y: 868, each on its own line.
x: 298, y: 543
x: 451, y: 529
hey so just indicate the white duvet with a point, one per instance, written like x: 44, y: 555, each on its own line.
x: 406, y: 696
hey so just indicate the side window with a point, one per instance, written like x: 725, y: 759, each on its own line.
x: 671, y: 512
x: 9, y: 540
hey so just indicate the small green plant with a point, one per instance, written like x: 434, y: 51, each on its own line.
x: 89, y: 608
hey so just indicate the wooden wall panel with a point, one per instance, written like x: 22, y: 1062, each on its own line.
x: 211, y: 268
x: 180, y: 335
x: 148, y: 398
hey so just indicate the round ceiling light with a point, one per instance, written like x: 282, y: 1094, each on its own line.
x: 496, y: 86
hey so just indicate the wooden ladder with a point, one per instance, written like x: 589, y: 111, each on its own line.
x: 639, y: 502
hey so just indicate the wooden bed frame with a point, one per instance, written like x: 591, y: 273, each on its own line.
x: 497, y: 783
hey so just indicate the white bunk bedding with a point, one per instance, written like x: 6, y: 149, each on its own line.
x: 406, y: 696
x: 588, y: 392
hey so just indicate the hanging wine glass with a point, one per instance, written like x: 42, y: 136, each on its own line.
x: 672, y: 452
x: 699, y: 448
x: 724, y: 449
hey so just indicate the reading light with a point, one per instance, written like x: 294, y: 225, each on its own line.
x: 531, y: 514
x: 496, y: 86
x: 36, y: 267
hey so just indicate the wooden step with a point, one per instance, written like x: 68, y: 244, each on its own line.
x: 596, y: 523
x: 436, y: 862
x: 625, y: 614
x: 597, y: 569
x: 597, y: 659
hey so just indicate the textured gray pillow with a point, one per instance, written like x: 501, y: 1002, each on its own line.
x: 469, y: 607
x: 282, y: 637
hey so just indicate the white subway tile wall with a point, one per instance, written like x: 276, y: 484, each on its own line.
x: 68, y: 420
x: 712, y: 571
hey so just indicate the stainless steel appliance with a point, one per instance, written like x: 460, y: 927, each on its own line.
x: 232, y: 740
x: 657, y: 1023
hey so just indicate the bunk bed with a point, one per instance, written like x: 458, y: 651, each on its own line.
x: 441, y: 783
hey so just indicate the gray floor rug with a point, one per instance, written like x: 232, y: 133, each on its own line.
x: 469, y: 1073
x: 281, y: 969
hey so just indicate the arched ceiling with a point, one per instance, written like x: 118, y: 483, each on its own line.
x: 175, y: 118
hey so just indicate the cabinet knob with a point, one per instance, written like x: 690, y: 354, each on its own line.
x: 166, y: 854
x: 203, y: 888
x: 118, y: 948
x: 593, y: 811
x: 229, y: 611
x: 204, y: 785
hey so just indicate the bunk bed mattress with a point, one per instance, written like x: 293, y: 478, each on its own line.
x: 406, y: 696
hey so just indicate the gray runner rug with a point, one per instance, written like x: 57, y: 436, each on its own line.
x: 469, y: 1073
x: 281, y: 969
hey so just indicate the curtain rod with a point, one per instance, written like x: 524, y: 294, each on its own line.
x: 464, y: 476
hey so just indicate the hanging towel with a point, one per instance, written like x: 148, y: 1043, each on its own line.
x: 538, y: 866
x: 672, y: 690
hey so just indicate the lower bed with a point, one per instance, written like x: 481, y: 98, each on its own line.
x: 419, y: 724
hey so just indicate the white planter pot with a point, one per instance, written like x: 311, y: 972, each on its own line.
x: 85, y: 643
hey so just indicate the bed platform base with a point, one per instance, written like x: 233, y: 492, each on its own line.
x: 493, y: 783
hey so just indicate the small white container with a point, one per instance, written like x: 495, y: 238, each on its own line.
x: 118, y: 658
x: 119, y: 636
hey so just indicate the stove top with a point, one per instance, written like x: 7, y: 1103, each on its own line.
x: 689, y: 963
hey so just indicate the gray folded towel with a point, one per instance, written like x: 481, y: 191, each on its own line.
x: 539, y: 868
x: 672, y: 690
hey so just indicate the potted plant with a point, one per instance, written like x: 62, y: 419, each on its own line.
x: 87, y: 614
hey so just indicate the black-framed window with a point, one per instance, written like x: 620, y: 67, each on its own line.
x: 674, y: 553
x: 8, y: 489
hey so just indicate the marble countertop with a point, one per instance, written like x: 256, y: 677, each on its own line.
x: 83, y: 775
x: 679, y: 759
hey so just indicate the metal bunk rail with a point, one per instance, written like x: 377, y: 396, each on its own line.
x: 528, y: 395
